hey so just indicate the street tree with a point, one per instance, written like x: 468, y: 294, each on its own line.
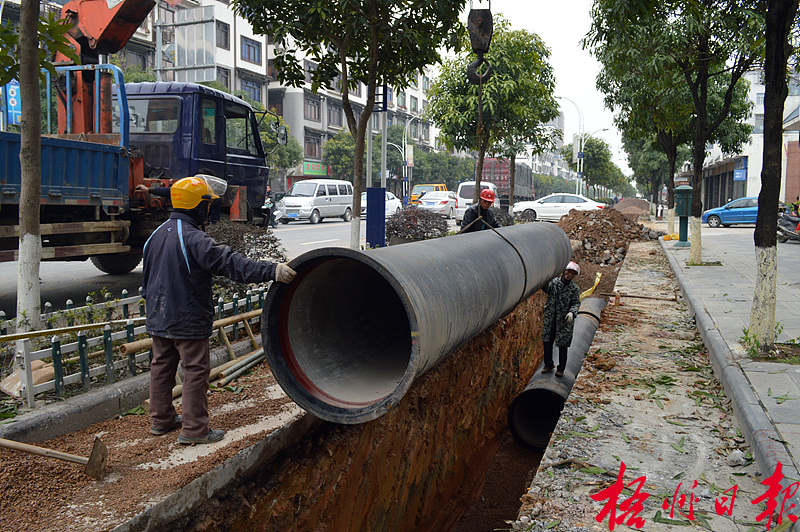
x: 443, y: 167
x: 648, y: 101
x: 515, y: 102
x: 545, y: 185
x: 23, y: 54
x: 598, y: 168
x: 766, y: 25
x: 704, y: 43
x: 383, y: 42
x: 338, y: 154
x: 781, y: 18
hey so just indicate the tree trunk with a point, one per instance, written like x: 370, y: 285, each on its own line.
x: 484, y: 140
x: 780, y: 14
x: 512, y: 182
x: 30, y: 240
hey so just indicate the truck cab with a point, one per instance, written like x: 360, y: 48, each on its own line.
x: 184, y: 129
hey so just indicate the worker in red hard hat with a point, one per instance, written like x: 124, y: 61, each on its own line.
x: 479, y: 215
x: 563, y: 303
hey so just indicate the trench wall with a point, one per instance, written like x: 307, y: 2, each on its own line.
x: 415, y: 468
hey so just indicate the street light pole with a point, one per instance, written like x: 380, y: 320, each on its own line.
x: 583, y: 144
x: 580, y: 137
x: 405, y: 160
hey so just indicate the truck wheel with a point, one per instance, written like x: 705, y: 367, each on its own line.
x: 118, y: 263
x: 347, y: 215
x: 314, y: 218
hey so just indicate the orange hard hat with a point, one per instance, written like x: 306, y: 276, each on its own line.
x: 487, y: 195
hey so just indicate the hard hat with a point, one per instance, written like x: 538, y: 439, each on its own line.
x: 188, y: 192
x: 487, y: 195
x: 574, y: 267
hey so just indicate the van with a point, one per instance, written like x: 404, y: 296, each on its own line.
x: 465, y: 192
x: 315, y: 199
x: 421, y: 189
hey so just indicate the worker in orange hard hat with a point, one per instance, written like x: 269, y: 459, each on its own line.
x: 179, y: 262
x: 479, y: 215
x: 563, y: 303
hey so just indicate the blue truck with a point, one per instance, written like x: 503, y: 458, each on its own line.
x: 142, y: 133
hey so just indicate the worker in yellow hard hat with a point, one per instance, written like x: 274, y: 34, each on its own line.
x: 179, y: 262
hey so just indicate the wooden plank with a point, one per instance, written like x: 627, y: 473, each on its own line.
x: 12, y: 231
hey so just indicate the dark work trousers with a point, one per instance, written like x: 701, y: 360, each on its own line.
x: 548, y: 356
x: 195, y: 358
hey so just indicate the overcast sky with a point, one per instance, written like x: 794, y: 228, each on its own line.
x: 562, y: 25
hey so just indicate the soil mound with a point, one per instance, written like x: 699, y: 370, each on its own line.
x: 604, y: 234
x: 603, y: 237
x: 632, y: 208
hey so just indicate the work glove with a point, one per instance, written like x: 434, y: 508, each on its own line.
x: 284, y: 274
x: 569, y: 317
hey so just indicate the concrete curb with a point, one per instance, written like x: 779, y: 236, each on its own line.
x: 758, y: 429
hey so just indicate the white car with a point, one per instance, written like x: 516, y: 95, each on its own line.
x: 554, y: 206
x: 393, y: 204
x: 444, y: 202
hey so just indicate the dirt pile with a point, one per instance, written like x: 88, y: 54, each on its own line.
x: 632, y: 208
x: 604, y: 234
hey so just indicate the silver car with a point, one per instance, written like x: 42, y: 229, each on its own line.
x: 444, y: 202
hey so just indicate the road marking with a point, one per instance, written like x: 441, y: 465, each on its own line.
x: 320, y: 242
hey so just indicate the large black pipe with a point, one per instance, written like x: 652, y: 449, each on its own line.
x: 349, y: 335
x: 533, y: 414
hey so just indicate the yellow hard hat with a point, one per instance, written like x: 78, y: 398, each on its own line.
x: 187, y: 193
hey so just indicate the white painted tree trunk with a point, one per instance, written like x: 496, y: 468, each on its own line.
x: 28, y: 292
x: 670, y: 221
x: 696, y: 249
x: 762, y: 315
x: 30, y: 240
x: 355, y: 231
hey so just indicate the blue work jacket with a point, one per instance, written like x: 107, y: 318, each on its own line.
x: 179, y: 262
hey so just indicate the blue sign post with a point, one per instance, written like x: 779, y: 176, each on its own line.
x: 13, y: 105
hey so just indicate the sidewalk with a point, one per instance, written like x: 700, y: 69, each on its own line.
x: 720, y: 297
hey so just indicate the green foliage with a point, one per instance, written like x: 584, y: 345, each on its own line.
x: 51, y: 40
x: 442, y: 167
x: 659, y: 56
x: 598, y: 168
x: 338, y: 155
x: 515, y: 102
x: 544, y: 185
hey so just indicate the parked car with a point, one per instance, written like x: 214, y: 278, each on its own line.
x: 738, y: 211
x: 554, y: 206
x: 464, y: 194
x: 421, y: 189
x: 443, y: 202
x: 315, y: 199
x: 393, y: 204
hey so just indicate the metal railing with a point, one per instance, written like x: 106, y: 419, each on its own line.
x: 70, y: 359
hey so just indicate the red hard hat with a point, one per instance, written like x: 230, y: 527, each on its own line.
x: 488, y: 195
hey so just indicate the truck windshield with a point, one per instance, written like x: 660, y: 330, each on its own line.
x: 304, y: 190
x: 153, y: 115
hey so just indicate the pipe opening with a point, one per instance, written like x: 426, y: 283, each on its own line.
x: 345, y: 333
x: 533, y: 417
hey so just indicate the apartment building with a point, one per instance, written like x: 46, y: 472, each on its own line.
x: 244, y: 61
